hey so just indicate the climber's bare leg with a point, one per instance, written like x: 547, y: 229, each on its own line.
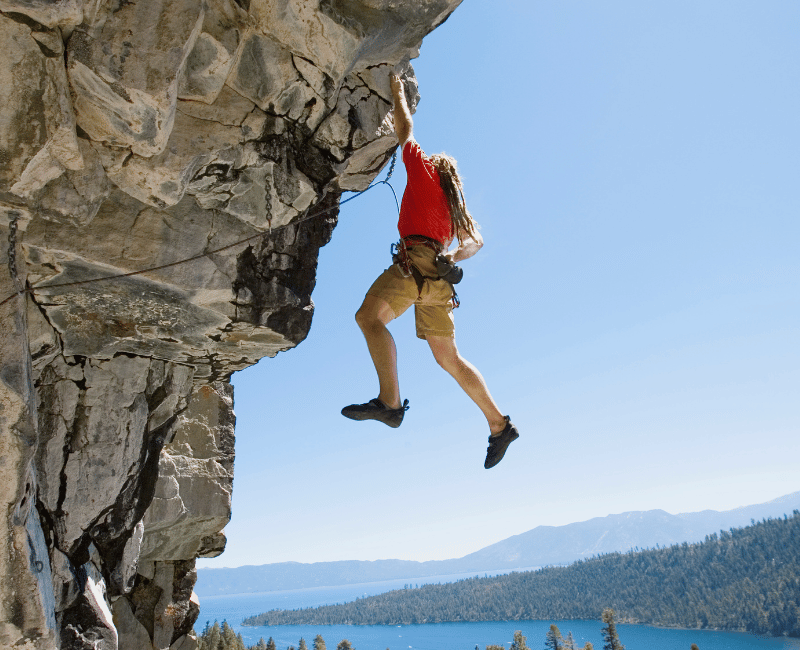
x: 447, y: 356
x: 372, y: 317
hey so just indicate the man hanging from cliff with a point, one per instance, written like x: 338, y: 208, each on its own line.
x: 432, y: 214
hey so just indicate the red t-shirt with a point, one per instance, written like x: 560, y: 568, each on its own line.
x: 424, y: 210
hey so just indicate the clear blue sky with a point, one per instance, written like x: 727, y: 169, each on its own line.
x: 635, y: 167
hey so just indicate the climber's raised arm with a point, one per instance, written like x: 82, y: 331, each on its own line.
x: 403, y: 125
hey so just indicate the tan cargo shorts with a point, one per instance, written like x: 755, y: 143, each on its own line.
x: 433, y: 306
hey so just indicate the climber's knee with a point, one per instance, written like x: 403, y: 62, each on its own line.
x: 373, y: 312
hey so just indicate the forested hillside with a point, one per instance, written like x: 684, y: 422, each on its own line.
x: 742, y: 579
x: 541, y: 546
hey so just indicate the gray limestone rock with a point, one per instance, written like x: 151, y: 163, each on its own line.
x: 160, y: 180
x: 37, y: 126
x: 124, y: 573
x: 76, y: 195
x: 173, y: 169
x: 186, y: 642
x: 88, y: 622
x: 162, y: 606
x: 66, y: 14
x: 214, y: 52
x: 124, y: 69
x: 229, y: 108
x: 132, y: 634
x: 195, y: 480
x: 340, y: 36
x: 65, y: 587
x: 93, y: 454
x: 266, y: 73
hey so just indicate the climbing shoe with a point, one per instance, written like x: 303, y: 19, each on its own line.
x: 499, y: 443
x: 376, y: 410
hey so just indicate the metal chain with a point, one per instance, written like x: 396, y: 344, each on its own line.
x: 391, y: 166
x: 12, y: 251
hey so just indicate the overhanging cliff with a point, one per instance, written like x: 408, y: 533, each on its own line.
x: 144, y: 139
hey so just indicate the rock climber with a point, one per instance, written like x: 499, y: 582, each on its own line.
x: 433, y: 213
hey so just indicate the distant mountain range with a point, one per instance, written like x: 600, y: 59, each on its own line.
x: 542, y: 546
x: 742, y: 579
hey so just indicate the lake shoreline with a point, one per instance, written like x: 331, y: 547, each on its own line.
x: 451, y: 635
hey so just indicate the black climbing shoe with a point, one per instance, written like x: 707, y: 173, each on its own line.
x: 376, y: 410
x: 499, y: 443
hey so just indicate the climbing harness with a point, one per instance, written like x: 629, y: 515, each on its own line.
x: 445, y: 269
x: 399, y: 251
x: 306, y: 217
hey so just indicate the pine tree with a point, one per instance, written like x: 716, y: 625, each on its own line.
x: 271, y: 644
x: 261, y: 645
x: 520, y: 642
x: 302, y: 645
x: 694, y: 645
x: 319, y: 643
x: 588, y: 646
x: 228, y: 637
x: 553, y: 639
x: 214, y: 638
x: 495, y: 647
x: 344, y: 644
x: 610, y: 638
x: 569, y: 642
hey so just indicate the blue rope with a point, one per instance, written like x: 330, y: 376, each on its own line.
x: 385, y: 181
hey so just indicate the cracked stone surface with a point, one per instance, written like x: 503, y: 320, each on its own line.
x: 172, y: 169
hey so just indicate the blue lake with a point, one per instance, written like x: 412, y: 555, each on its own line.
x: 445, y: 636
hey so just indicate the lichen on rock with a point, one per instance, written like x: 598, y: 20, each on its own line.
x: 168, y: 173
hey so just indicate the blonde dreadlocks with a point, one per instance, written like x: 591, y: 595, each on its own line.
x: 463, y: 224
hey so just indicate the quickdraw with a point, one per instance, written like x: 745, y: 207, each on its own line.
x: 400, y: 257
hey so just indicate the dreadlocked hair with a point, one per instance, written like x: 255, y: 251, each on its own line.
x: 463, y: 224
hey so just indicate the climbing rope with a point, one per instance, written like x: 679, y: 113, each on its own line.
x: 306, y: 217
x: 385, y: 181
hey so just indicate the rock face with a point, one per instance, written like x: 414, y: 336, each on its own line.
x: 168, y: 173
